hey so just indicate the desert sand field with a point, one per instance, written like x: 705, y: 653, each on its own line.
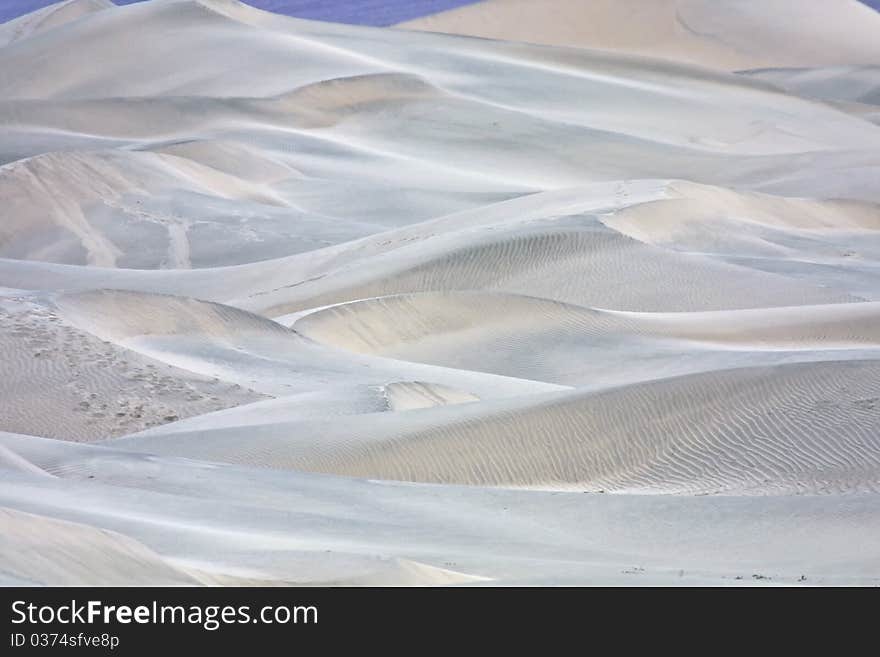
x: 593, y: 299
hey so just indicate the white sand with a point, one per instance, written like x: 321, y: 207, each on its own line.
x: 428, y: 310
x: 54, y: 15
x: 729, y: 34
x: 65, y: 383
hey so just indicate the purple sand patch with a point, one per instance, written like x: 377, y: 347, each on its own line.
x: 378, y: 13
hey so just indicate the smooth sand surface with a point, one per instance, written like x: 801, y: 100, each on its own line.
x: 286, y: 302
x: 54, y: 15
x: 301, y: 528
x: 731, y: 34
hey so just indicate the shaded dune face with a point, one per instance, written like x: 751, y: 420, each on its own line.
x: 804, y: 428
x: 741, y: 432
x: 389, y: 325
x: 62, y: 382
x: 573, y: 345
x: 379, y: 306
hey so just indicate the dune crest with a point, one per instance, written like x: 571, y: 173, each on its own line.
x: 729, y: 34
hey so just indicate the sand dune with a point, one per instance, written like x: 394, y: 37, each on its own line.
x: 849, y: 84
x: 353, y: 306
x: 53, y: 16
x: 62, y: 382
x: 250, y: 351
x: 731, y: 34
x: 803, y: 238
x: 40, y: 550
x: 573, y: 259
x: 452, y: 253
x: 542, y: 340
x: 296, y: 527
x: 384, y: 324
x: 801, y: 428
x: 61, y: 203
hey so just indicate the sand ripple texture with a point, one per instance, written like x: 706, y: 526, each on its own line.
x: 390, y: 306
